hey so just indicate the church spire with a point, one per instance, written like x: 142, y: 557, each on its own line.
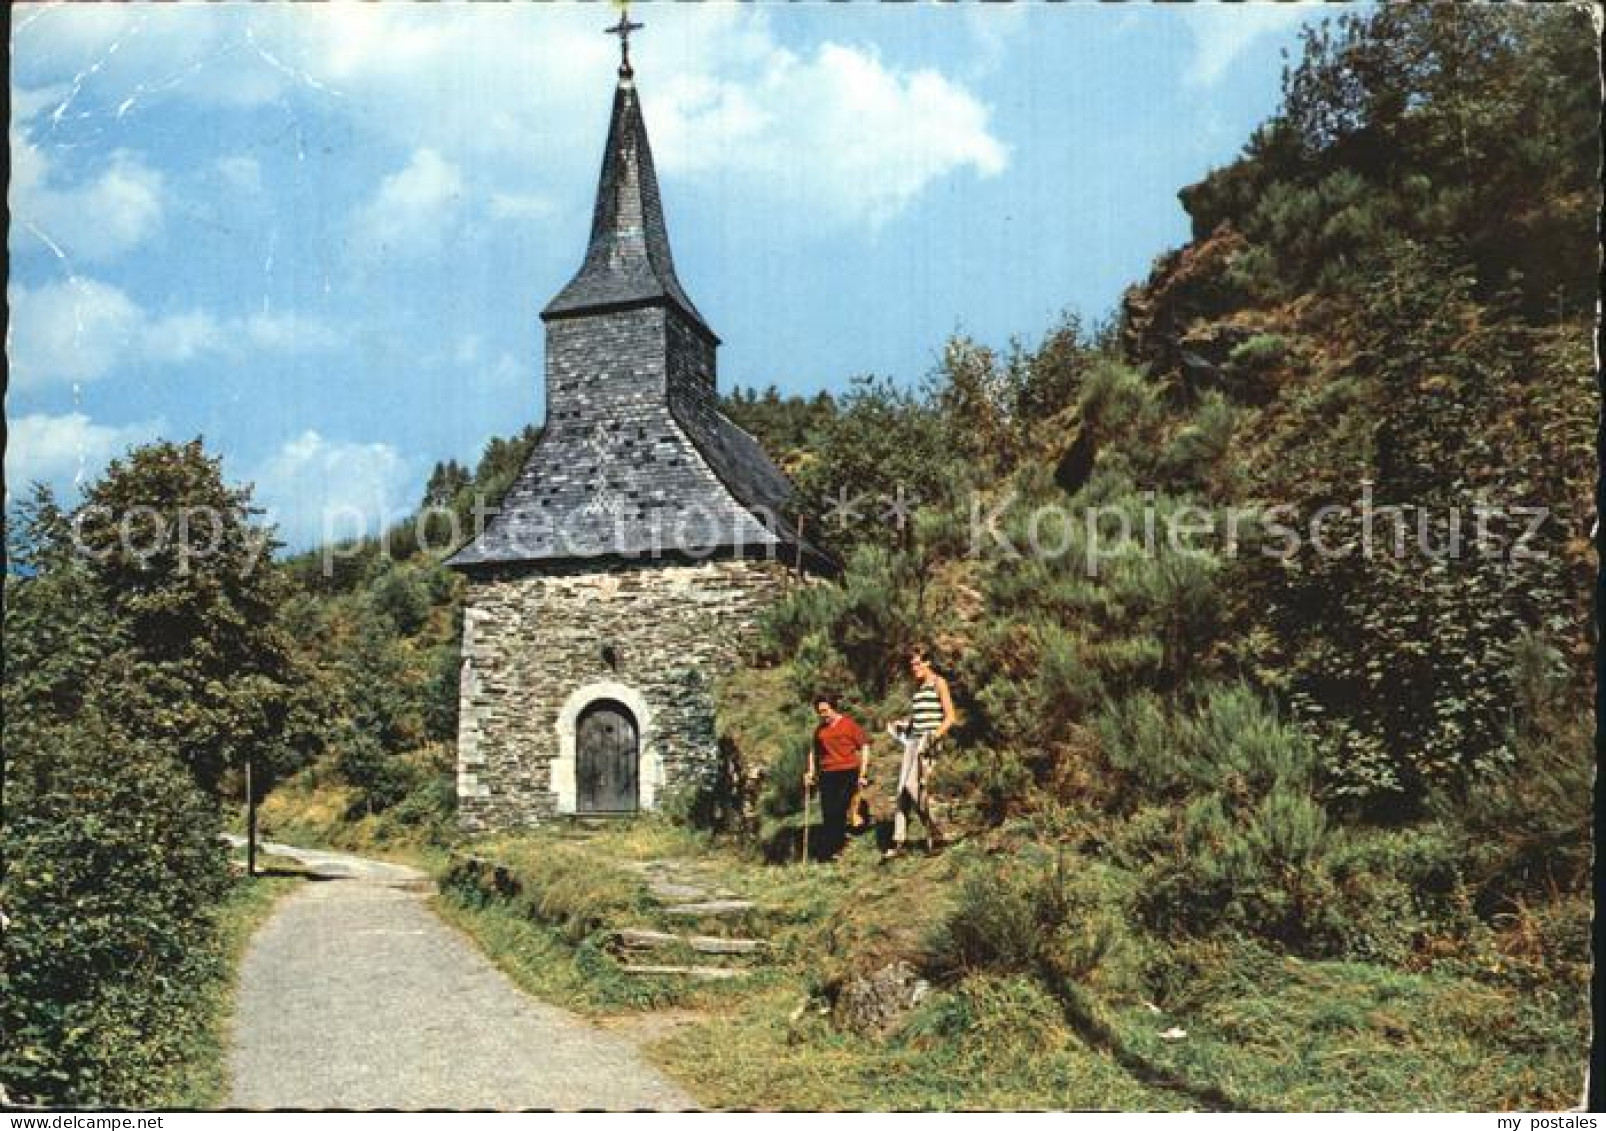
x: 627, y: 262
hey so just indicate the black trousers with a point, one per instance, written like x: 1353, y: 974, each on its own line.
x: 836, y: 789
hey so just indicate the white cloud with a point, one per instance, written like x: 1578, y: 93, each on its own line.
x: 27, y: 104
x: 72, y: 331
x: 83, y: 329
x: 125, y: 55
x: 242, y: 172
x: 96, y: 219
x: 515, y: 92
x: 289, y: 333
x: 183, y: 337
x: 318, y: 490
x: 875, y: 137
x: 67, y: 449
x: 1223, y: 32
x: 993, y: 28
x: 413, y: 209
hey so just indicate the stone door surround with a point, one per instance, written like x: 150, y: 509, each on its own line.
x: 649, y: 769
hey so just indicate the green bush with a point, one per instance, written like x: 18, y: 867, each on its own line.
x: 1116, y: 399
x: 1020, y: 918
x: 1261, y: 352
x: 782, y: 797
x: 1527, y: 832
x: 1259, y: 869
x: 999, y: 782
x: 113, y: 872
x: 429, y: 803
x: 383, y: 779
x: 402, y: 595
x: 1231, y: 741
x: 883, y: 443
x: 117, y: 732
x: 1196, y: 453
x: 849, y: 636
x: 1398, y: 887
x: 442, y: 692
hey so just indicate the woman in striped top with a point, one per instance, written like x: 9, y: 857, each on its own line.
x: 931, y: 716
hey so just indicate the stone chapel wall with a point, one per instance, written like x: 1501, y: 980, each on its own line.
x: 533, y: 645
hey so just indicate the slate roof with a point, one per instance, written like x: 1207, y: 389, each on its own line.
x: 627, y: 261
x: 653, y: 488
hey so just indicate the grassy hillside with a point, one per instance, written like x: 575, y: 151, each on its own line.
x: 1043, y: 990
x: 1266, y: 608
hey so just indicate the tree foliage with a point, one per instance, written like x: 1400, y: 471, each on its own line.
x: 113, y: 865
x: 174, y: 557
x: 1424, y: 122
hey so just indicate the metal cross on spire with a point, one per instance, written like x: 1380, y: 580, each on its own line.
x: 623, y: 29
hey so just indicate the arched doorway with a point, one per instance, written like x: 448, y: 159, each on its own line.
x: 607, y: 756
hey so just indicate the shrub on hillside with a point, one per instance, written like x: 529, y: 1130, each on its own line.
x: 1231, y: 742
x: 427, y: 806
x: 997, y: 783
x: 1399, y: 888
x: 1024, y: 918
x: 849, y: 636
x: 382, y: 778
x: 883, y: 443
x: 402, y: 595
x: 1220, y: 864
x: 1228, y: 834
x: 1197, y: 454
x: 1259, y: 353
x: 1116, y: 399
x: 1526, y: 832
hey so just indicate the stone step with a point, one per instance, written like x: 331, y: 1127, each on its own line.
x: 713, y: 973
x: 678, y: 893
x: 712, y: 907
x: 671, y: 881
x: 633, y: 938
x: 424, y: 885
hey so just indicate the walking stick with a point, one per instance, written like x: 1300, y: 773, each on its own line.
x: 805, y: 819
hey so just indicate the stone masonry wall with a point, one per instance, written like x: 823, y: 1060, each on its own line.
x: 533, y: 637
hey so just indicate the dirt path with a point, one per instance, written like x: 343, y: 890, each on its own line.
x: 354, y: 995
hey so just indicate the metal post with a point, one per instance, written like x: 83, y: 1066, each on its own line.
x: 250, y: 821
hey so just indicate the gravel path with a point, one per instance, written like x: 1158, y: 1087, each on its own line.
x: 353, y: 995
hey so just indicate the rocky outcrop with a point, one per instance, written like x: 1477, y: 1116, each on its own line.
x: 875, y: 1003
x: 1187, y: 285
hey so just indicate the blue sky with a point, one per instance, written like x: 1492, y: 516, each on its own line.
x: 320, y: 237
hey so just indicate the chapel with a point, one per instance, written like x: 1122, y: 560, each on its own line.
x: 630, y: 559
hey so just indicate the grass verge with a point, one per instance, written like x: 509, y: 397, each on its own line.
x: 204, y: 1083
x: 992, y: 1044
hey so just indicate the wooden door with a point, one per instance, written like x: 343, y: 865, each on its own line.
x: 606, y: 756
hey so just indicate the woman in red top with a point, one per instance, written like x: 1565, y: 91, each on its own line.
x: 839, y: 759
